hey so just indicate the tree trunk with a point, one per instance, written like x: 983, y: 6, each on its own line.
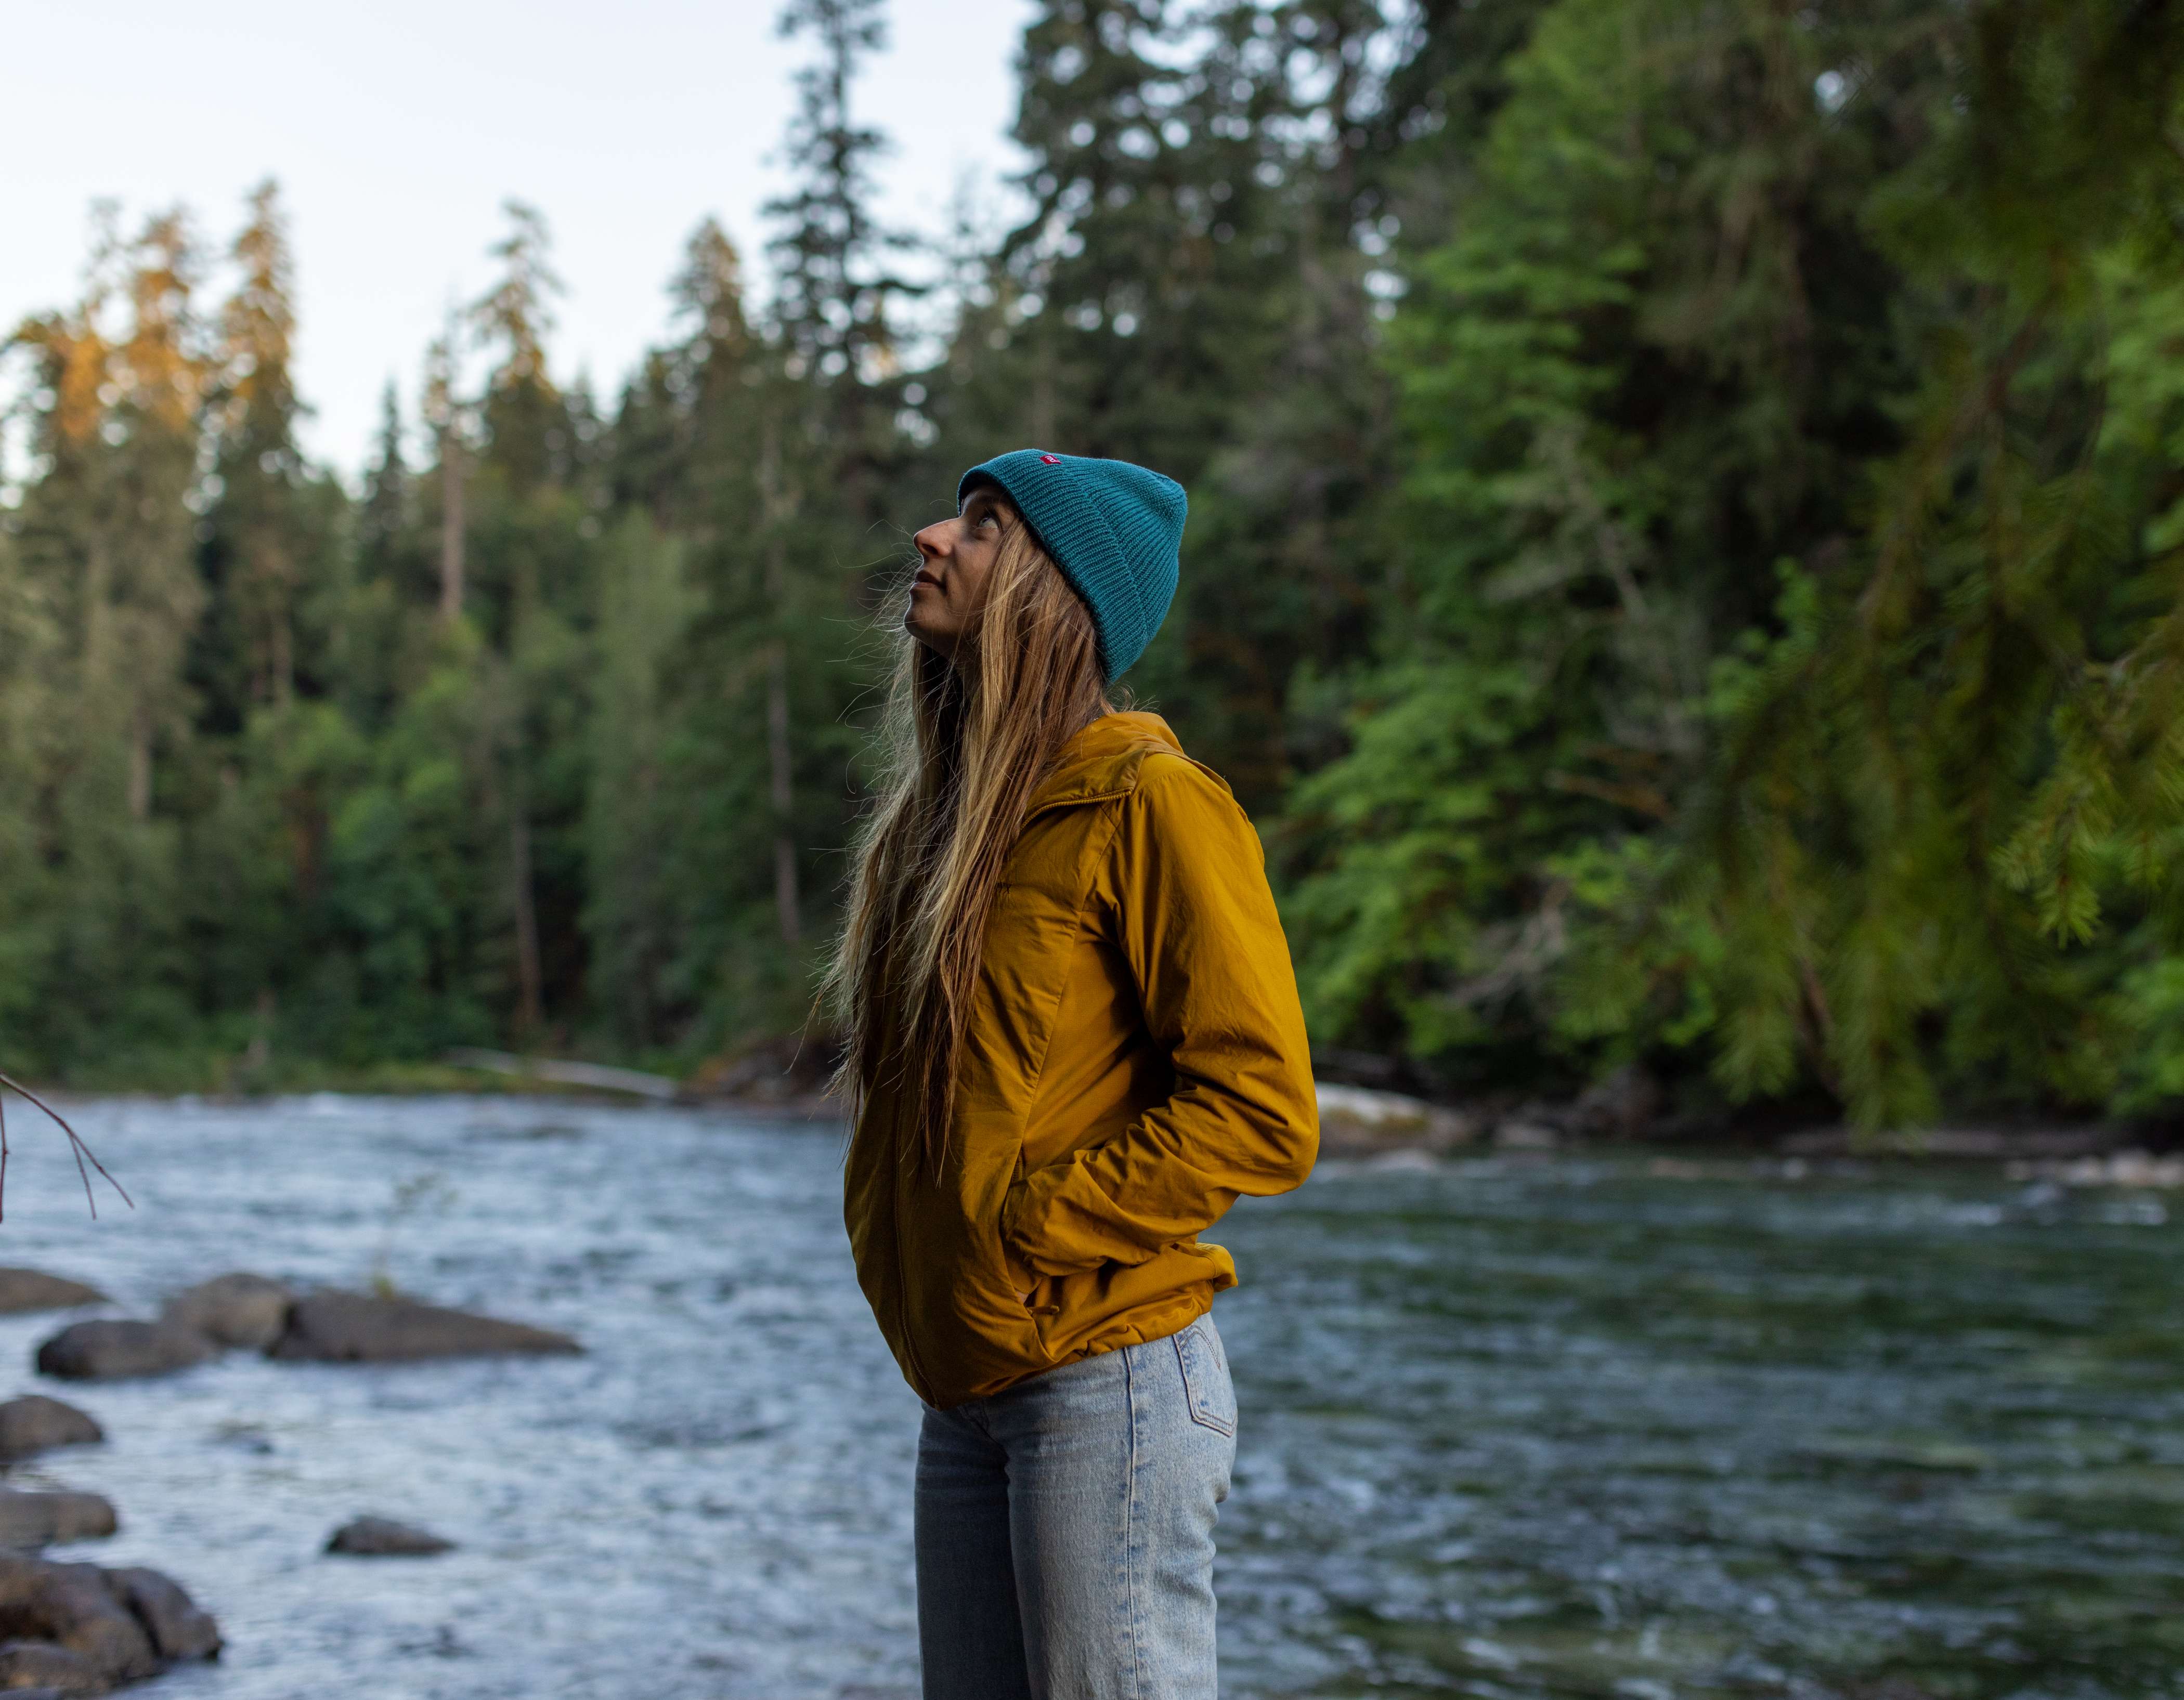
x: 530, y: 994
x: 778, y: 506
x: 284, y: 658
x: 785, y: 902
x: 451, y: 527
x: 1042, y: 386
x: 140, y: 766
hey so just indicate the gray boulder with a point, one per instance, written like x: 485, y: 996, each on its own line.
x: 32, y: 1668
x: 381, y: 1537
x: 169, y: 1616
x: 30, y: 1519
x: 356, y: 1328
x: 34, y: 1424
x: 1358, y: 1121
x: 76, y: 1629
x: 1519, y: 1134
x: 237, y: 1309
x: 71, y: 1607
x: 114, y: 1351
x: 27, y: 1290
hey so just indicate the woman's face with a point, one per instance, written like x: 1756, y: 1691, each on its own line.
x: 955, y: 562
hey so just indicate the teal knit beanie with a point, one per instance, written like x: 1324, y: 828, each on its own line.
x: 1114, y: 530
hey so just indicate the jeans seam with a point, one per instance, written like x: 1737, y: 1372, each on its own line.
x: 1130, y: 1564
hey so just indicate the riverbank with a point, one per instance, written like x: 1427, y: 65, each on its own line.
x: 1361, y: 1122
x: 788, y: 1081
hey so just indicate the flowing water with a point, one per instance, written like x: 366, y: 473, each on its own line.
x: 1574, y: 1427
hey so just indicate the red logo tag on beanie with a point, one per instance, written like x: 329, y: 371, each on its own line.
x: 1050, y: 460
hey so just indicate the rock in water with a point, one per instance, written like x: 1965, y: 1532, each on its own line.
x: 116, y: 1350
x: 28, y: 1290
x: 380, y: 1537
x: 169, y: 1616
x: 76, y: 1629
x: 355, y: 1328
x: 34, y: 1424
x: 1357, y: 1121
x: 71, y: 1606
x: 239, y: 1309
x: 32, y: 1667
x: 38, y: 1519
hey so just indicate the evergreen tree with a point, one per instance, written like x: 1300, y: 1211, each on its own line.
x: 829, y: 450
x: 104, y: 542
x: 254, y: 561
x: 532, y: 567
x: 1619, y: 786
x: 1190, y: 292
x: 525, y: 419
x: 1938, y: 840
x: 836, y: 290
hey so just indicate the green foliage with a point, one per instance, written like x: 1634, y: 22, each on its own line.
x: 1640, y: 373
x: 1684, y: 564
x: 1905, y: 350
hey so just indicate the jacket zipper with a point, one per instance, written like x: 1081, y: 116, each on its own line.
x: 901, y: 1268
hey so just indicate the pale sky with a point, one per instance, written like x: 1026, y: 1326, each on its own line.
x: 396, y: 129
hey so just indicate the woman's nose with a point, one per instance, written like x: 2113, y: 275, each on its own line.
x: 930, y: 542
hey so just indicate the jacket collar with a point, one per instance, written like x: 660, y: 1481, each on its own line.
x: 1101, y: 760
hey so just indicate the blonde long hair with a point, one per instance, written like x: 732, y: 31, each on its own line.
x: 963, y: 744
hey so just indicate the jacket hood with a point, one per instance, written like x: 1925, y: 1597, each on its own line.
x: 1101, y: 760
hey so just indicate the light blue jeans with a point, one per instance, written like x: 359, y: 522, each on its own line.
x: 1064, y: 1529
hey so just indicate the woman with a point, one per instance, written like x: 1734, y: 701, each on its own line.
x: 1074, y: 1040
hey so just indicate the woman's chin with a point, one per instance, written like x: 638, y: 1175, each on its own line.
x: 940, y: 643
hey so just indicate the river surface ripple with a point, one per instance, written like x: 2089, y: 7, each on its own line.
x: 1611, y: 1427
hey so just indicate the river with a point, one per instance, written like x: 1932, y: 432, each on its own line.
x: 1610, y: 1426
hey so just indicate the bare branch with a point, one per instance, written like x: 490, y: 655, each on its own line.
x: 82, y: 1152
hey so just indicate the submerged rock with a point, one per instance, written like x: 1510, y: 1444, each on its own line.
x: 237, y: 1309
x: 34, y: 1424
x: 114, y: 1351
x: 27, y: 1290
x: 29, y: 1519
x: 356, y: 1328
x: 381, y: 1537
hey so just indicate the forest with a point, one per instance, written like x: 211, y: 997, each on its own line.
x: 1684, y: 566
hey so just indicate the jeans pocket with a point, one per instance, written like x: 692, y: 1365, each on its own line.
x: 1208, y: 1391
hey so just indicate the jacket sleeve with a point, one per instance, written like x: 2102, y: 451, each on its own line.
x: 1185, y: 882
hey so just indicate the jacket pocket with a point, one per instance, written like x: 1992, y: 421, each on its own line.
x: 1208, y: 1391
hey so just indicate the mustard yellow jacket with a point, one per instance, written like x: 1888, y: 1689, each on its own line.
x: 1135, y: 1059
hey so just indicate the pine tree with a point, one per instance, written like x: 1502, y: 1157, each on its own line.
x: 1939, y: 839
x: 105, y: 545
x: 254, y: 562
x: 524, y: 418
x: 828, y: 447
x: 1655, y: 359
x: 836, y: 289
x: 447, y: 416
x: 1770, y: 682
x: 1190, y: 293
